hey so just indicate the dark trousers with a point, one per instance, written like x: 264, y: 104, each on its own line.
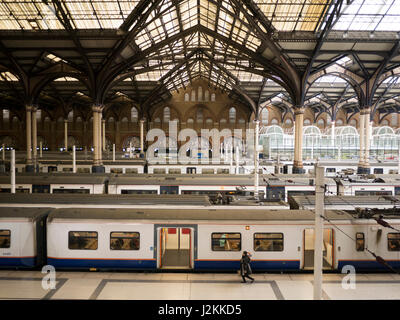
x: 246, y: 275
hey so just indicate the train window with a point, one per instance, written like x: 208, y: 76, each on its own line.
x: 331, y: 170
x: 124, y: 241
x: 394, y: 241
x: 226, y: 241
x: 82, y: 240
x: 131, y: 170
x: 378, y: 170
x: 174, y: 171
x: 360, y: 241
x: 138, y: 191
x: 116, y: 170
x: 5, y: 238
x: 268, y: 242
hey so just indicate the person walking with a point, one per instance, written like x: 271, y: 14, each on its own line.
x: 245, y: 269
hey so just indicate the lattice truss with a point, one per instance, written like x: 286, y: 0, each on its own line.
x: 147, y: 48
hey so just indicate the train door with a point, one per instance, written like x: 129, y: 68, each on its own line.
x: 175, y: 248
x: 169, y: 190
x: 328, y: 249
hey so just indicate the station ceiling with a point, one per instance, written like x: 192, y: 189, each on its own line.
x: 97, y: 51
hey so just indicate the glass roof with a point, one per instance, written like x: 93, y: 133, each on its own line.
x: 370, y: 15
x: 83, y: 14
x: 285, y: 15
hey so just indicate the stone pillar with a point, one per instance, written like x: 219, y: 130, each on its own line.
x: 367, y: 139
x: 363, y: 165
x: 34, y: 136
x: 97, y: 163
x: 333, y: 133
x: 298, y: 141
x: 362, y: 136
x: 256, y: 159
x: 117, y: 134
x: 66, y: 135
x: 103, y: 122
x: 99, y: 150
x: 53, y: 138
x: 141, y: 136
x: 29, y: 165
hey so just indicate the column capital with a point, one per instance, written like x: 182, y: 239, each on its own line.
x: 141, y: 121
x: 29, y: 108
x: 97, y: 108
x: 365, y: 110
x: 298, y: 110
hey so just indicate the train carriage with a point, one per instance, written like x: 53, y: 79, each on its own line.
x: 22, y: 237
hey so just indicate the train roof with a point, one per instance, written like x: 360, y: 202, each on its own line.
x: 215, y: 179
x: 56, y: 178
x: 348, y: 202
x: 104, y: 199
x: 204, y: 214
x: 30, y: 213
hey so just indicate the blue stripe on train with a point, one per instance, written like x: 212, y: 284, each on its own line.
x: 101, y: 263
x: 255, y: 265
x: 368, y: 264
x: 18, y: 262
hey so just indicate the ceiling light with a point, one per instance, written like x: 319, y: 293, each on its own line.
x: 372, y: 35
x: 345, y: 34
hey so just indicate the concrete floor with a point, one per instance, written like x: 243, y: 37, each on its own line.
x: 192, y: 286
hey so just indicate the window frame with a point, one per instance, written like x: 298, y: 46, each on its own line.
x: 398, y: 238
x: 363, y: 239
x: 111, y: 237
x: 9, y: 238
x: 240, y: 241
x: 283, y: 241
x: 97, y: 238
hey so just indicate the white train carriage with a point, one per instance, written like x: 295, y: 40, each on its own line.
x: 22, y: 241
x: 364, y: 186
x: 213, y: 239
x: 271, y: 187
x: 55, y: 183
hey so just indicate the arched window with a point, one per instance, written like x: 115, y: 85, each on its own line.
x: 193, y: 97
x: 199, y: 115
x: 209, y: 121
x: 307, y: 122
x: 288, y: 122
x: 353, y: 122
x: 206, y: 95
x: 222, y: 121
x: 39, y: 115
x: 213, y: 97
x: 167, y: 114
x: 385, y: 123
x: 6, y: 114
x: 241, y: 121
x: 264, y: 116
x: 157, y: 120
x: 232, y: 115
x: 70, y: 115
x: 274, y: 121
x: 15, y: 122
x: 186, y: 97
x: 199, y: 94
x: 339, y: 122
x: 321, y: 122
x: 134, y: 114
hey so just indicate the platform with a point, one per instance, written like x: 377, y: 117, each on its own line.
x: 192, y: 286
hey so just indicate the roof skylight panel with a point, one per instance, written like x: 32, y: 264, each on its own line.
x: 7, y: 76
